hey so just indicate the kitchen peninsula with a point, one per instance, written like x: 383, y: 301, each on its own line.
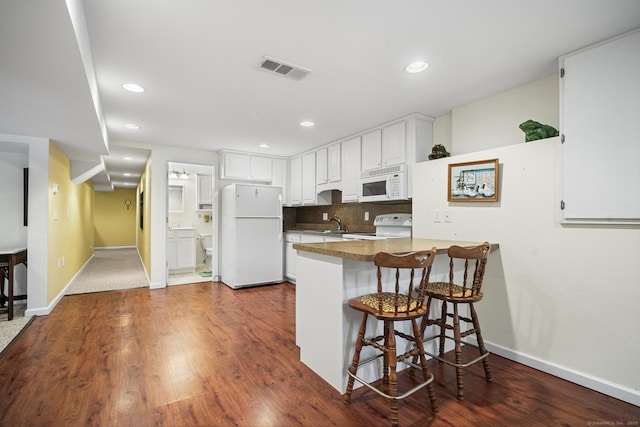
x: 328, y: 275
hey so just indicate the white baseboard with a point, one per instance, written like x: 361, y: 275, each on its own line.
x: 45, y: 311
x: 115, y: 247
x: 601, y: 385
x: 157, y: 285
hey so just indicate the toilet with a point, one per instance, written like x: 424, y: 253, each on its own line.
x: 206, y: 242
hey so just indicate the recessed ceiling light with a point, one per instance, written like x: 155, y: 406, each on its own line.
x: 127, y: 174
x: 127, y: 158
x: 264, y: 145
x: 132, y: 126
x: 133, y: 87
x: 417, y: 67
x: 307, y: 124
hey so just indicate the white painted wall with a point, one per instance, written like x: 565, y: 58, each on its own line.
x: 493, y: 122
x: 560, y: 298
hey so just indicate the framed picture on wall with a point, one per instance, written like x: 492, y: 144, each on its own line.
x: 473, y: 181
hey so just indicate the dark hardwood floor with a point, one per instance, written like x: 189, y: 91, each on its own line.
x: 205, y: 355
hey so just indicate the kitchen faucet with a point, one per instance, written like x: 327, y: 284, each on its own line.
x: 339, y: 222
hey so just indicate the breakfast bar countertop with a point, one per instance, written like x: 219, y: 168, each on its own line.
x: 365, y: 250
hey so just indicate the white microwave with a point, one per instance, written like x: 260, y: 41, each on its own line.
x: 383, y: 185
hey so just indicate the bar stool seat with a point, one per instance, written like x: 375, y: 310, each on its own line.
x: 402, y: 301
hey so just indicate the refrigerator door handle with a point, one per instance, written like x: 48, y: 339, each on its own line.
x: 281, y: 219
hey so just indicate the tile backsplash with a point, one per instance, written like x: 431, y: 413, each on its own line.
x: 351, y: 214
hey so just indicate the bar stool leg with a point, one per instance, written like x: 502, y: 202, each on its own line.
x: 346, y: 397
x: 458, y: 339
x: 391, y: 361
x: 426, y: 373
x: 481, y: 347
x: 443, y: 328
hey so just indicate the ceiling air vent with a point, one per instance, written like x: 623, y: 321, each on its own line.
x: 288, y: 70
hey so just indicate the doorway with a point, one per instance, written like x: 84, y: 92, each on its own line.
x: 191, y: 218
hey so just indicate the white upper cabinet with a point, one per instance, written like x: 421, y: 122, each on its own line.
x: 372, y: 150
x: 394, y: 144
x: 295, y: 182
x: 234, y: 165
x: 334, y: 171
x: 204, y: 190
x: 260, y: 168
x: 245, y: 166
x: 406, y: 141
x: 350, y: 169
x: 321, y: 167
x: 309, y: 179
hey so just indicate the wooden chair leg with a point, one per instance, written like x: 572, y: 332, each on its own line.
x: 458, y: 350
x: 481, y: 347
x: 385, y: 359
x: 426, y: 373
x: 346, y: 397
x: 391, y: 360
x: 443, y: 328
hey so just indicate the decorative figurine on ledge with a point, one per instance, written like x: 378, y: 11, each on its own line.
x: 438, y: 152
x: 534, y: 130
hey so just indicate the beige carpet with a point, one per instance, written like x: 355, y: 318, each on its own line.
x: 110, y: 270
x: 9, y: 330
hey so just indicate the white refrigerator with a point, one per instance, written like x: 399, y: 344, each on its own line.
x: 251, y: 235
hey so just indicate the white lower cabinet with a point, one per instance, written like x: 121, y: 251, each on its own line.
x: 291, y: 254
x: 181, y: 251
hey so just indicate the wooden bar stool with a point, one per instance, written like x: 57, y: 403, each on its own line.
x: 469, y: 277
x: 404, y: 302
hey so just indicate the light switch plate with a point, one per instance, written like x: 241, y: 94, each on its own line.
x: 325, y: 216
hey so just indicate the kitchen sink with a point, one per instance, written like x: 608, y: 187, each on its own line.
x: 336, y: 232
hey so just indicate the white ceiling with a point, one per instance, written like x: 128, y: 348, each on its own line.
x: 198, y: 61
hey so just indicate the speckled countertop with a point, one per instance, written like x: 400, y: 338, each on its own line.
x: 365, y: 250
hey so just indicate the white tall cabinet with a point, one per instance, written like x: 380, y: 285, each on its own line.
x: 600, y: 124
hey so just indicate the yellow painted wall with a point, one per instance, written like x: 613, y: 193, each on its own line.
x: 71, y: 234
x: 113, y: 223
x: 144, y: 234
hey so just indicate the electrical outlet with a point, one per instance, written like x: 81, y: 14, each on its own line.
x: 325, y: 216
x: 366, y: 216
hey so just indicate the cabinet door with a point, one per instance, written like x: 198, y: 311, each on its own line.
x: 394, y: 144
x: 321, y: 166
x: 185, y: 252
x: 260, y: 168
x: 236, y: 165
x: 372, y: 150
x: 291, y: 261
x: 279, y: 177
x: 295, y: 182
x: 333, y: 163
x: 204, y: 192
x: 309, y: 179
x: 350, y: 170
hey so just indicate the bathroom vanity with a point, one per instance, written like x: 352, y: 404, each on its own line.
x: 181, y: 250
